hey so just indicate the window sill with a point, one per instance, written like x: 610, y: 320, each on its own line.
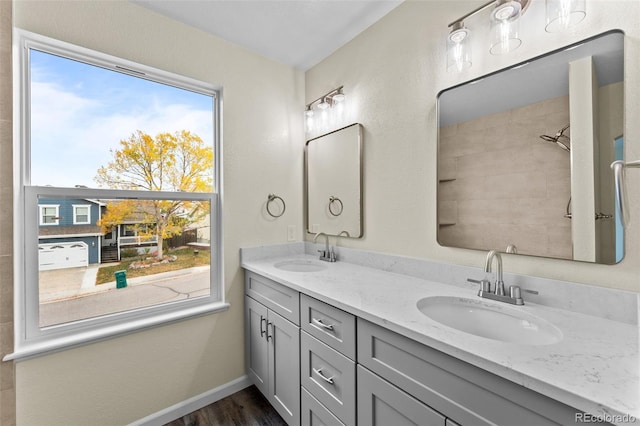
x: 35, y: 349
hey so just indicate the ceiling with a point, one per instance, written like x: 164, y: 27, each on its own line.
x: 300, y: 33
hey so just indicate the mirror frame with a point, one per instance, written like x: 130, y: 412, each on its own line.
x: 360, y: 180
x: 491, y: 74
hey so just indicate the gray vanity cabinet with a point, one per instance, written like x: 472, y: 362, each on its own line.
x: 312, y: 375
x: 273, y: 344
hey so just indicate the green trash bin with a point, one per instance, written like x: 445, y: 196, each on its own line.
x: 121, y: 279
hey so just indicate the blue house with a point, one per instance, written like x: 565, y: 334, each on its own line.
x: 68, y: 233
x: 69, y: 236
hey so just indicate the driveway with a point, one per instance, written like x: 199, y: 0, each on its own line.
x: 67, y: 283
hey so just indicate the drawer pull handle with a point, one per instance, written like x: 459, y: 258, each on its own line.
x: 319, y: 323
x: 322, y: 376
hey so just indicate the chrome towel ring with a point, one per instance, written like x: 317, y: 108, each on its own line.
x: 271, y: 198
x: 335, y: 206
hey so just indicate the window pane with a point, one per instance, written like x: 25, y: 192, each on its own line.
x: 94, y: 121
x: 82, y: 215
x: 49, y: 215
x: 135, y: 254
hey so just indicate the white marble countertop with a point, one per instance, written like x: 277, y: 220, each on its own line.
x: 594, y: 368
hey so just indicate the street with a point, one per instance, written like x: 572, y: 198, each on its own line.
x: 141, y: 292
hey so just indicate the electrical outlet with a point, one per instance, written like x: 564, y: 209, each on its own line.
x: 291, y: 233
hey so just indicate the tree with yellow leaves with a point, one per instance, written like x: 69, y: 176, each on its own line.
x: 178, y: 162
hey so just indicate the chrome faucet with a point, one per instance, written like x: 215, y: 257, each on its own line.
x: 499, y: 287
x: 328, y: 255
x: 515, y: 295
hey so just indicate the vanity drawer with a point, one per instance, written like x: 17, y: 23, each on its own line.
x: 467, y: 394
x: 329, y: 376
x: 316, y: 414
x: 330, y: 325
x: 273, y: 295
x: 381, y: 404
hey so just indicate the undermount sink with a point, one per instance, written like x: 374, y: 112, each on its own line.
x: 488, y: 320
x: 300, y: 265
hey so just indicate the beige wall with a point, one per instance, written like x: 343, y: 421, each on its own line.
x: 123, y: 379
x: 7, y: 391
x: 392, y: 74
x: 510, y: 186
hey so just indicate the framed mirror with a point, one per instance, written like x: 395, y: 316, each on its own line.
x: 333, y: 173
x: 524, y: 155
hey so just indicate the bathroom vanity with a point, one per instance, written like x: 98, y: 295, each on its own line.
x: 351, y: 343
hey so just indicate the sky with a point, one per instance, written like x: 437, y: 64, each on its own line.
x: 80, y: 112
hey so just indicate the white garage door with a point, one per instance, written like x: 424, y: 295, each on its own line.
x: 63, y: 255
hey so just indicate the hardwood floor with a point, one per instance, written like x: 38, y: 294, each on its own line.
x: 244, y: 408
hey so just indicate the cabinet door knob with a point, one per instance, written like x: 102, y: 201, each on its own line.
x: 319, y: 323
x: 263, y: 320
x: 322, y: 376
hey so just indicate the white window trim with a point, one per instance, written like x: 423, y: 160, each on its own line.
x: 41, y: 214
x: 75, y: 215
x: 30, y: 340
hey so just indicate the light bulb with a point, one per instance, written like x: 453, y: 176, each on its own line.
x: 324, y: 104
x: 338, y: 97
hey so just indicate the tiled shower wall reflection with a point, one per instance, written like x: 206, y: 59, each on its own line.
x: 7, y: 391
x: 501, y: 184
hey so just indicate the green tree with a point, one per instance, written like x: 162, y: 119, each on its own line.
x: 178, y: 162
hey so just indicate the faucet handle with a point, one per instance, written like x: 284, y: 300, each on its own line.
x: 485, y: 285
x: 516, y: 295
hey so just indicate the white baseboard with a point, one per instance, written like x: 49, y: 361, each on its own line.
x: 192, y: 404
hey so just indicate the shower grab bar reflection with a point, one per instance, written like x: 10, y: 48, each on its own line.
x: 620, y: 187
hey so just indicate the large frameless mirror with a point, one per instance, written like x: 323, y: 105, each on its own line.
x: 333, y: 172
x: 524, y: 156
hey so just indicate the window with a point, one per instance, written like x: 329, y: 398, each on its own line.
x: 49, y: 214
x: 81, y: 215
x: 130, y: 153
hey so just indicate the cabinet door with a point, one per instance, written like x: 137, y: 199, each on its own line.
x: 381, y: 403
x: 284, y: 371
x: 257, y: 349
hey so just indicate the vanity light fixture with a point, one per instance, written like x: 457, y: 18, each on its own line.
x: 504, y: 27
x: 324, y: 103
x: 564, y: 14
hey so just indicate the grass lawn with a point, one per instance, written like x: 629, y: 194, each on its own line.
x: 186, y: 259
